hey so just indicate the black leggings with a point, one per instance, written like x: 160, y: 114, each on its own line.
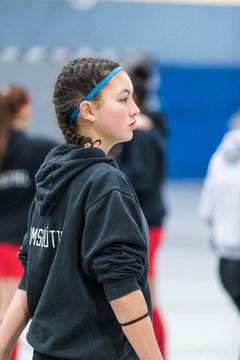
x: 230, y: 277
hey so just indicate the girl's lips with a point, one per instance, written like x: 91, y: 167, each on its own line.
x: 134, y: 125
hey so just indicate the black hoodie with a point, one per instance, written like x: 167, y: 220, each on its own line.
x: 143, y: 160
x: 86, y: 246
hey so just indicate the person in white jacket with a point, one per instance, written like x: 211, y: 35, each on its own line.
x: 220, y: 210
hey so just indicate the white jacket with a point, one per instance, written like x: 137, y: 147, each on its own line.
x: 220, y: 198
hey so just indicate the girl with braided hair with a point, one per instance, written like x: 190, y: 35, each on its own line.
x: 84, y: 255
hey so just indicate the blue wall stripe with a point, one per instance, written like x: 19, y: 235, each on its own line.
x: 198, y: 103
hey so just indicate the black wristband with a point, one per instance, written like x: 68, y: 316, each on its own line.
x: 134, y: 321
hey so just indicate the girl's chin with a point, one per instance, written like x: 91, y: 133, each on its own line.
x: 125, y: 139
x: 128, y: 138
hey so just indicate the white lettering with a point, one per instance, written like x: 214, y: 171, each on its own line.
x: 40, y: 237
x: 52, y: 232
x: 11, y: 179
x: 33, y: 235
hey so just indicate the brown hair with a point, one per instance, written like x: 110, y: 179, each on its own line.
x: 140, y: 75
x: 15, y: 97
x: 73, y: 84
x: 12, y: 98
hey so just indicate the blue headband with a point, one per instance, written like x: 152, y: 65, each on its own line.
x: 95, y: 90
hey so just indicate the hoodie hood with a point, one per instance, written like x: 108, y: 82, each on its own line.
x: 61, y: 165
x: 230, y: 146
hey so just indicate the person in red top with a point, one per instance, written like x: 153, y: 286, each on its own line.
x: 20, y: 158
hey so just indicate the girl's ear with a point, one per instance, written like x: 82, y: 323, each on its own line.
x: 86, y: 111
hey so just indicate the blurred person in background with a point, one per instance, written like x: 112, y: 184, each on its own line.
x: 20, y: 158
x: 143, y: 160
x: 220, y: 208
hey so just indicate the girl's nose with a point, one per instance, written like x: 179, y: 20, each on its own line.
x: 135, y: 110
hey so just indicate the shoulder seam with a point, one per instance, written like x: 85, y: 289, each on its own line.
x: 107, y: 192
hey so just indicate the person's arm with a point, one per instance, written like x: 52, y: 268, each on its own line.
x: 140, y: 333
x: 15, y: 320
x: 114, y: 251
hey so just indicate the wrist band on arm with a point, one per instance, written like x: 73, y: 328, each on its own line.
x: 134, y: 321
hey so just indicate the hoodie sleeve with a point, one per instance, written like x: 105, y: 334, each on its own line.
x: 206, y: 198
x: 23, y: 256
x: 23, y: 253
x: 114, y: 247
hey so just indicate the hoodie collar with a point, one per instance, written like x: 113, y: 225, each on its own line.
x: 61, y: 165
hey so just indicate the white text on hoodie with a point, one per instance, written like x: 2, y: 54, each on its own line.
x: 44, y: 237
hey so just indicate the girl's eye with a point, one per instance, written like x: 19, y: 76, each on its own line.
x: 124, y: 100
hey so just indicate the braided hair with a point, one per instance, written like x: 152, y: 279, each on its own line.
x: 73, y: 84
